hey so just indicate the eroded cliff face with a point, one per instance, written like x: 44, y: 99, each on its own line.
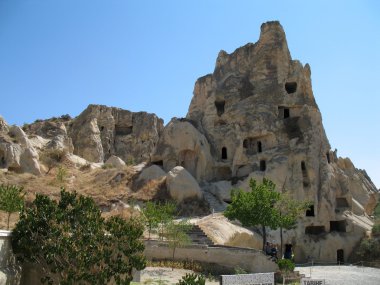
x: 259, y: 117
x: 100, y: 132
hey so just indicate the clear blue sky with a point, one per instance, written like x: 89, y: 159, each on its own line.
x: 56, y: 57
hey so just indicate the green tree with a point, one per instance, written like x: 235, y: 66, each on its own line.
x: 192, y: 279
x: 11, y: 200
x: 289, y: 211
x: 176, y: 234
x: 165, y: 215
x: 151, y: 216
x: 73, y: 244
x: 255, y: 207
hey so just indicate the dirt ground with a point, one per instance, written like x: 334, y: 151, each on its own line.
x: 165, y: 276
x: 343, y: 275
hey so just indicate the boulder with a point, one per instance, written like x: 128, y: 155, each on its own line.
x: 115, y: 161
x: 182, y: 144
x: 182, y: 185
x: 151, y: 173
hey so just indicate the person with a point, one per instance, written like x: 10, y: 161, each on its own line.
x: 268, y: 248
x: 274, y: 251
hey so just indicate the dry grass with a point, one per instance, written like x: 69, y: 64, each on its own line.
x: 105, y: 186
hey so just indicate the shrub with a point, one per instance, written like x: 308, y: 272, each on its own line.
x: 286, y: 265
x: 192, y: 279
x: 239, y: 270
x: 376, y: 230
x: 369, y: 249
x: 73, y: 244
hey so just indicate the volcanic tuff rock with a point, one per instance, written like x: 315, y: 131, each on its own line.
x: 100, y: 131
x: 256, y: 117
x: 182, y: 185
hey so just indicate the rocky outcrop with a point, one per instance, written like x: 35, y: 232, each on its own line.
x: 182, y: 144
x: 115, y: 161
x: 16, y: 151
x: 255, y: 116
x: 151, y: 173
x: 182, y: 185
x: 100, y: 132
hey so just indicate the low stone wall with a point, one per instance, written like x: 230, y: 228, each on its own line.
x: 253, y: 261
x: 10, y: 272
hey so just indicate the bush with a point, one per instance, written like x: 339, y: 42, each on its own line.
x: 376, y: 230
x: 369, y: 249
x: 286, y: 265
x: 72, y: 244
x: 11, y: 200
x: 192, y: 279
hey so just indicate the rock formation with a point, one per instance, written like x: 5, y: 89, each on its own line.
x: 255, y: 116
x: 100, y: 132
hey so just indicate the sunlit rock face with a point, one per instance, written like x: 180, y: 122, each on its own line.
x: 256, y: 116
x: 100, y: 132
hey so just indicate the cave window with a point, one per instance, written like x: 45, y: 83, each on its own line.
x: 328, y: 157
x: 259, y: 146
x: 224, y: 153
x: 314, y: 230
x: 158, y: 162
x: 286, y: 113
x: 263, y: 165
x: 338, y: 226
x: 303, y: 166
x: 310, y: 211
x: 245, y: 143
x: 101, y: 128
x: 2, y: 162
x: 305, y: 177
x: 220, y: 107
x: 123, y: 131
x: 291, y: 87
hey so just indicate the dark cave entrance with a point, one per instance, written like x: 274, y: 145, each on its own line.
x: 220, y: 107
x: 291, y: 87
x: 224, y: 152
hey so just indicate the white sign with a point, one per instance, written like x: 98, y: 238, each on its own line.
x: 309, y: 281
x: 248, y: 279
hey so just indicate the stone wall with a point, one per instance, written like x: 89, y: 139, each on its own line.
x: 10, y: 272
x: 249, y: 259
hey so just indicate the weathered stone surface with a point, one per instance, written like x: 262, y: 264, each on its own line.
x: 150, y: 173
x: 115, y: 161
x: 182, y: 144
x: 221, y: 189
x: 3, y: 125
x: 17, y: 153
x: 100, y: 131
x: 53, y: 133
x: 259, y: 118
x: 181, y: 184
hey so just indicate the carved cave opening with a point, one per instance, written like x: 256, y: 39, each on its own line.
x: 338, y: 226
x: 101, y: 128
x: 328, y: 157
x: 123, y: 130
x: 224, y: 152
x: 310, y: 212
x: 3, y: 163
x: 263, y: 165
x: 259, y: 147
x: 315, y: 230
x: 291, y: 87
x: 340, y: 256
x: 158, y: 162
x: 286, y: 113
x: 342, y: 203
x: 220, y: 107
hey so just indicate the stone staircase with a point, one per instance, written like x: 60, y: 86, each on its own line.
x: 198, y: 236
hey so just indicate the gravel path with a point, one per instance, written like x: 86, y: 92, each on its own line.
x: 343, y: 275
